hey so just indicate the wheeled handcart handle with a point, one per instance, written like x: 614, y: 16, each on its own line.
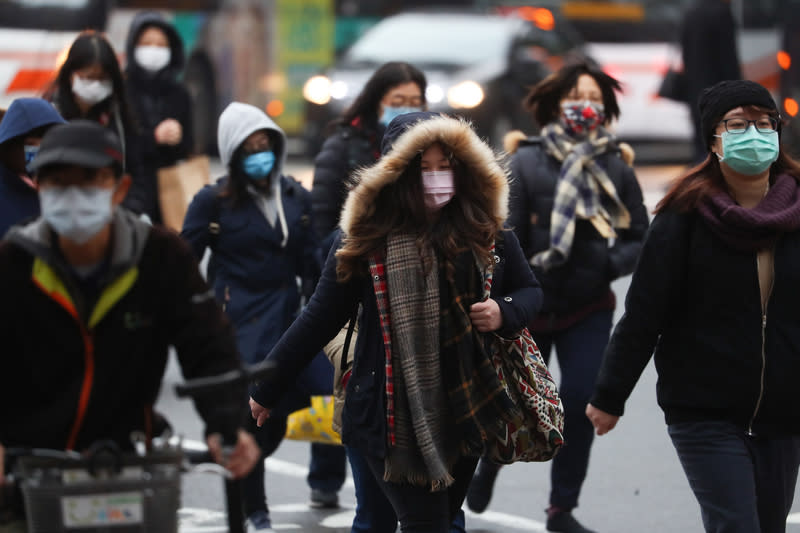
x: 210, y: 384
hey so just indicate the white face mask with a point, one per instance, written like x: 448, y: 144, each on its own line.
x: 77, y: 213
x: 152, y: 58
x: 438, y: 188
x: 92, y: 91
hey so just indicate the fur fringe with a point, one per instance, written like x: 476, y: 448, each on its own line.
x: 458, y: 136
x: 512, y: 139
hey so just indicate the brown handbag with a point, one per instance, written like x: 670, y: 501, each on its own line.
x: 177, y: 185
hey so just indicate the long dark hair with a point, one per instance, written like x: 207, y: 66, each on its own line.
x: 466, y: 223
x: 388, y: 76
x: 91, y: 48
x: 544, y: 100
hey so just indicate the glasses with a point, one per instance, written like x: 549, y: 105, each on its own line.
x: 740, y: 125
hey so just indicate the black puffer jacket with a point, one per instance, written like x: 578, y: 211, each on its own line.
x: 350, y: 147
x: 154, y: 97
x: 592, y: 265
x: 697, y: 302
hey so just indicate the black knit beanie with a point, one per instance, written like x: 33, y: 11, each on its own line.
x: 726, y: 95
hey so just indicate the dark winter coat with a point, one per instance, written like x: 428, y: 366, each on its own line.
x: 108, y: 113
x: 157, y: 96
x: 585, y: 278
x: 697, y: 303
x: 708, y: 42
x: 19, y: 200
x: 254, y: 276
x: 77, y: 369
x: 514, y: 288
x: 350, y: 147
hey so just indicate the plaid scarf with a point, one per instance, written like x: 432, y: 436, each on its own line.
x: 426, y: 445
x: 583, y: 190
x: 476, y: 408
x: 480, y: 406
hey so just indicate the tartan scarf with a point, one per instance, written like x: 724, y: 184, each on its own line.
x: 426, y: 445
x: 583, y: 190
x: 480, y: 406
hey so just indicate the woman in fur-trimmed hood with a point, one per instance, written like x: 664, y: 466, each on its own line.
x: 417, y: 235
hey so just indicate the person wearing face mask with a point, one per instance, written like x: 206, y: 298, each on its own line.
x: 257, y: 224
x: 21, y: 130
x: 160, y: 102
x: 393, y: 89
x: 714, y: 293
x: 417, y: 234
x: 89, y: 85
x: 93, y: 298
x: 577, y: 209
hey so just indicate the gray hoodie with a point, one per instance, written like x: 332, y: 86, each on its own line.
x: 236, y: 123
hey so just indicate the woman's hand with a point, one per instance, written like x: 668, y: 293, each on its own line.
x: 486, y: 316
x: 602, y: 421
x: 259, y: 412
x: 169, y: 132
x: 241, y: 459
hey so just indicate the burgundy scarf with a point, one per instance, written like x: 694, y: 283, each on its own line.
x: 749, y: 230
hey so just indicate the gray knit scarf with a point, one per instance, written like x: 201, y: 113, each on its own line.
x: 424, y: 452
x: 584, y: 190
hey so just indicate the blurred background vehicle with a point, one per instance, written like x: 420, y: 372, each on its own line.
x: 478, y: 65
x: 255, y: 51
x: 636, y: 41
x: 264, y: 52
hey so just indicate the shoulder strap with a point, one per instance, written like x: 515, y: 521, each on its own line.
x: 348, y: 338
x: 213, y: 224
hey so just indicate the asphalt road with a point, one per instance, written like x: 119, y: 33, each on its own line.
x: 635, y: 483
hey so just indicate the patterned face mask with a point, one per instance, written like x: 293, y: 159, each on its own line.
x: 581, y: 118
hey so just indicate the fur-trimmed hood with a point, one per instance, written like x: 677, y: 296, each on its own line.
x: 406, y: 137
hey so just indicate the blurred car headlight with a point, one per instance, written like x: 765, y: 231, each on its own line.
x: 465, y: 95
x: 317, y: 90
x: 339, y: 90
x: 434, y: 94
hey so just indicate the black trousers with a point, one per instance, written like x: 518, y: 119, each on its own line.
x: 417, y: 508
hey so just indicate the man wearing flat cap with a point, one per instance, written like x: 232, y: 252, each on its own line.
x: 92, y: 299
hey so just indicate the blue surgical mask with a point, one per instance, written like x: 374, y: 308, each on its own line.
x: 258, y: 166
x: 30, y: 153
x: 391, y: 113
x: 77, y: 213
x: 751, y: 152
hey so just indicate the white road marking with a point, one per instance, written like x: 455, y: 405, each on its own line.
x: 345, y: 518
x: 793, y: 518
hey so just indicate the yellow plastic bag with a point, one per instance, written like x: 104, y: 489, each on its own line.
x: 315, y: 423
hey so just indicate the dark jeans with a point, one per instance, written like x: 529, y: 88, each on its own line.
x: 580, y: 351
x: 374, y: 513
x: 743, y: 484
x: 417, y: 508
x: 328, y: 466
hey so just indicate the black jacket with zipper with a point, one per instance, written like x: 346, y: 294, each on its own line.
x: 349, y: 148
x: 592, y: 264
x: 697, y: 303
x: 76, y: 370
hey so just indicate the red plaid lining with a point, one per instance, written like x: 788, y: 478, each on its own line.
x: 377, y: 272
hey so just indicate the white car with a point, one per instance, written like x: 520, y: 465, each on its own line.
x: 640, y: 68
